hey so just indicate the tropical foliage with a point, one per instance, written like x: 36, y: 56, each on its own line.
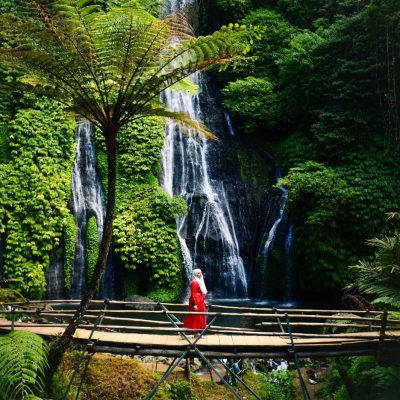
x: 381, y: 276
x: 92, y: 246
x: 323, y: 90
x: 23, y: 364
x: 110, y: 68
x: 145, y: 239
x: 358, y: 378
x: 35, y: 188
x: 69, y: 250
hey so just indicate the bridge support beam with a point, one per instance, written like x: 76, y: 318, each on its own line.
x: 192, y: 347
x: 306, y: 395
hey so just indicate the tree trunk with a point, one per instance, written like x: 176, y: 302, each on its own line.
x: 346, y: 380
x: 61, y: 344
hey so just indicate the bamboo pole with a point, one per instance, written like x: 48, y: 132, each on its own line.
x: 226, y: 354
x: 297, y: 310
x: 215, y: 306
x: 362, y: 335
x: 322, y: 324
x: 66, y: 312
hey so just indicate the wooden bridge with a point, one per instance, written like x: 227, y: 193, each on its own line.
x: 242, y: 332
x: 120, y: 327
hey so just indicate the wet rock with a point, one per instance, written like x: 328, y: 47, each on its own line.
x: 139, y: 306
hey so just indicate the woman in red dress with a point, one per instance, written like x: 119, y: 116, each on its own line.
x: 198, y: 292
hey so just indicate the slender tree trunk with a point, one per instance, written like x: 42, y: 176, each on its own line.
x: 61, y: 344
x: 342, y: 369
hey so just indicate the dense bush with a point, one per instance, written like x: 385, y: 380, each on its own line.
x: 360, y: 378
x: 253, y: 102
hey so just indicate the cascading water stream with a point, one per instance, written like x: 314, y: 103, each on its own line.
x: 280, y: 219
x: 87, y: 198
x: 55, y: 280
x: 229, y: 123
x: 289, y: 264
x: 186, y: 172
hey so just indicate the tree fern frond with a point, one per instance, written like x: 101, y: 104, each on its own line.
x: 113, y: 64
x: 191, y: 126
x: 185, y: 85
x: 388, y: 301
x: 23, y: 362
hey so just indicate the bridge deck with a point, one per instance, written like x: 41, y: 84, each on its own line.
x: 220, y: 345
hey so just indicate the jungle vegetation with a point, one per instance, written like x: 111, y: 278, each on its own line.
x: 320, y: 95
x: 110, y: 68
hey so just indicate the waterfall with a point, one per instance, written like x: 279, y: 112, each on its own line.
x: 280, y: 223
x: 55, y: 280
x: 289, y: 264
x: 209, y: 225
x: 87, y: 199
x: 229, y: 123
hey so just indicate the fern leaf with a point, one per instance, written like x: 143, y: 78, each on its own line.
x: 23, y: 362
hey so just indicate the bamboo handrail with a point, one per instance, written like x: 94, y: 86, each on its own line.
x: 296, y: 310
x: 321, y: 324
x: 222, y: 314
x: 282, y: 310
x: 272, y: 316
x: 66, y: 312
x: 176, y: 330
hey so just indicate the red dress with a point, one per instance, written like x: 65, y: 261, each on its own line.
x: 196, y: 298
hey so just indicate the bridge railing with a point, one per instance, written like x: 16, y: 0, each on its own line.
x: 232, y: 320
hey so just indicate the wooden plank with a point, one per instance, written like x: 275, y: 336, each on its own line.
x: 238, y: 340
x: 229, y: 340
x: 273, y: 341
x: 251, y: 340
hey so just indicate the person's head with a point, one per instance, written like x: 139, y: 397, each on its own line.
x: 197, y: 273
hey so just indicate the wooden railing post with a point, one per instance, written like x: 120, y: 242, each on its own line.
x: 369, y: 316
x: 382, y: 331
x: 12, y: 318
x: 279, y: 321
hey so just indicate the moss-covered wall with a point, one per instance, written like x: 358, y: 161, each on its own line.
x: 92, y: 246
x: 69, y: 250
x: 34, y: 191
x: 145, y: 239
x: 36, y: 162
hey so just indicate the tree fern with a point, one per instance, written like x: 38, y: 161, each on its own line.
x: 23, y: 362
x: 109, y: 66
